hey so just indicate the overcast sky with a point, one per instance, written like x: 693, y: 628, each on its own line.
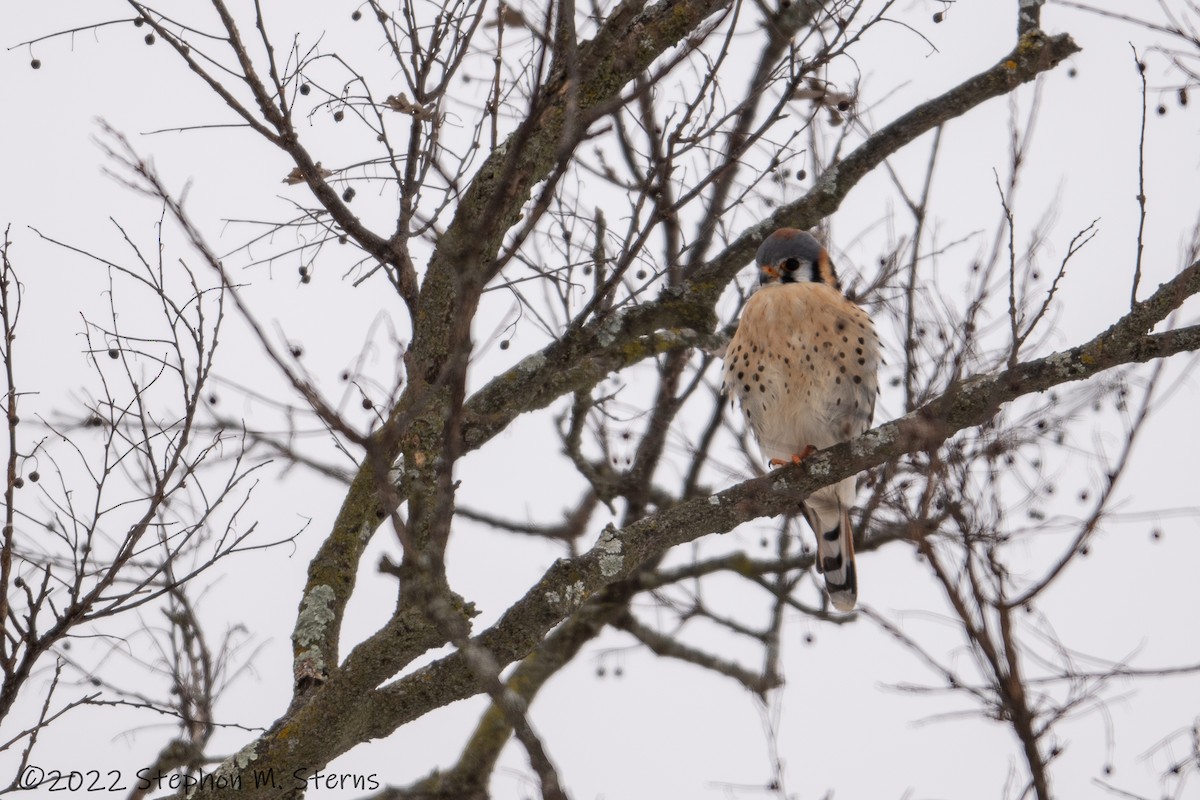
x: 660, y: 729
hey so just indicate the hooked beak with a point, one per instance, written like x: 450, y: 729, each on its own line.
x: 768, y: 271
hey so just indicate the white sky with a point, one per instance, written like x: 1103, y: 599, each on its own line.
x: 662, y: 729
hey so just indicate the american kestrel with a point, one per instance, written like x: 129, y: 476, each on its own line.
x: 803, y: 364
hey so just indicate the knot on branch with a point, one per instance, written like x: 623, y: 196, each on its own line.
x: 1037, y: 52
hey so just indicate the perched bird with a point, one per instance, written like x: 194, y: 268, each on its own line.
x: 803, y: 364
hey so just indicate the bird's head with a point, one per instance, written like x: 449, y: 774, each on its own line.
x: 792, y: 256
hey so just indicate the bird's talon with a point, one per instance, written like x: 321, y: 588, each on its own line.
x: 795, y: 459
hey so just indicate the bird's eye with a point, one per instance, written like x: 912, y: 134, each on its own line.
x: 791, y: 265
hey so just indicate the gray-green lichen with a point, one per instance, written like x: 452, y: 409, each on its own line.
x: 971, y: 385
x: 244, y: 757
x: 571, y: 597
x: 872, y: 440
x: 231, y: 767
x: 612, y: 561
x: 1063, y: 365
x: 532, y: 363
x: 610, y: 329
x: 828, y: 182
x: 316, y: 613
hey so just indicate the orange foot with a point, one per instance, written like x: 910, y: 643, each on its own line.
x: 796, y: 459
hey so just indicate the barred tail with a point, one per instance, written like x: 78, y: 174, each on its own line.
x: 835, y: 557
